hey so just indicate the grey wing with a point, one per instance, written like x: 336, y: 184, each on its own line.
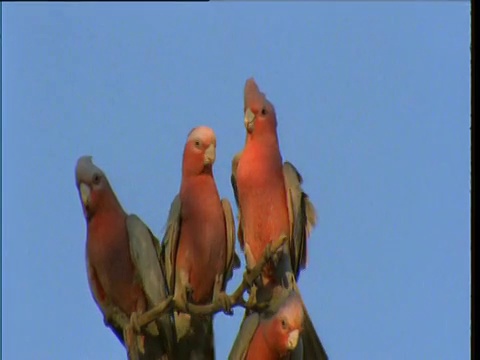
x: 150, y: 272
x: 244, y: 337
x: 144, y: 254
x: 233, y: 261
x: 233, y: 180
x: 302, y: 217
x: 170, y: 241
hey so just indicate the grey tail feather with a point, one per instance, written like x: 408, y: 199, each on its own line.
x: 312, y: 345
x: 154, y: 349
x: 200, y: 344
x: 211, y: 340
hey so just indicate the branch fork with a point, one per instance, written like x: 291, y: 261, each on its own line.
x: 221, y: 300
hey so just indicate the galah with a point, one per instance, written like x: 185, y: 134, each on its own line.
x: 125, y: 274
x: 199, y: 244
x: 273, y: 333
x: 271, y: 203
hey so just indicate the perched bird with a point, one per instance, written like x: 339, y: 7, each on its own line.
x: 273, y: 333
x: 199, y: 244
x: 271, y: 203
x: 124, y: 271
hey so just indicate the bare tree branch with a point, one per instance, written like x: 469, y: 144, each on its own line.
x: 235, y: 299
x: 229, y: 301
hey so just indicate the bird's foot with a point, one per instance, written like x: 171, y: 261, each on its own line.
x: 135, y: 330
x: 130, y: 339
x: 290, y: 282
x: 282, y: 239
x: 134, y: 322
x: 180, y: 300
x: 247, y: 277
x: 252, y: 299
x: 275, y: 256
x: 114, y: 315
x: 225, y: 302
x: 220, y: 297
x: 268, y: 251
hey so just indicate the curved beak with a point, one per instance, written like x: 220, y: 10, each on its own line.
x: 249, y: 120
x: 209, y: 155
x: 292, y: 339
x: 85, y: 193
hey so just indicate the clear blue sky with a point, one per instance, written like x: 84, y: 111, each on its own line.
x: 373, y: 104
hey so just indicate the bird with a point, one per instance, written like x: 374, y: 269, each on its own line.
x: 199, y: 245
x: 125, y: 274
x: 272, y: 203
x: 272, y: 333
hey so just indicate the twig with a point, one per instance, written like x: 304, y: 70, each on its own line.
x: 235, y: 299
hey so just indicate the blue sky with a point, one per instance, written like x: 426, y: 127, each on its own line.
x: 373, y: 104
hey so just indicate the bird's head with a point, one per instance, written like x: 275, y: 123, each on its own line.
x: 92, y: 185
x: 259, y: 112
x: 286, y: 325
x: 200, y: 151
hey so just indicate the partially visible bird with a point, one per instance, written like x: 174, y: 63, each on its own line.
x: 273, y: 333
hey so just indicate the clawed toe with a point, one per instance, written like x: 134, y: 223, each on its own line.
x: 252, y: 299
x: 220, y: 297
x: 225, y: 302
x: 180, y: 301
x: 134, y: 322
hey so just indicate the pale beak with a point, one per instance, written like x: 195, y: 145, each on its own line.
x: 85, y: 193
x: 292, y: 340
x: 209, y: 155
x: 249, y: 119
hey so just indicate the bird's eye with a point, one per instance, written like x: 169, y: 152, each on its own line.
x: 96, y: 179
x: 197, y: 143
x: 264, y: 111
x: 284, y: 324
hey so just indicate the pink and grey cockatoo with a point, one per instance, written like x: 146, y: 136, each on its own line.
x: 124, y: 271
x: 199, y: 244
x: 271, y: 203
